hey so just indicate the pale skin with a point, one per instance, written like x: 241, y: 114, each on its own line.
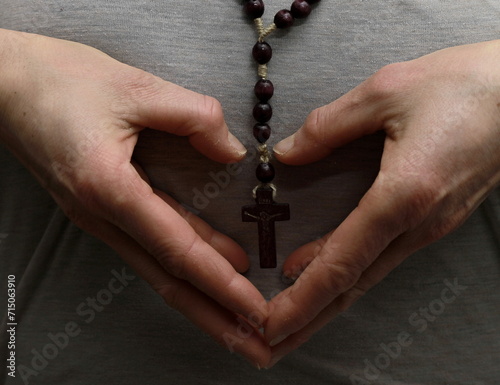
x: 72, y: 115
x: 441, y: 159
x: 73, y: 119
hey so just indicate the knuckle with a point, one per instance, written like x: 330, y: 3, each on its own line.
x: 350, y: 297
x: 423, y: 197
x: 210, y: 112
x: 315, y: 126
x: 341, y: 275
x: 406, y: 201
x: 131, y: 87
x: 301, y: 316
x: 312, y: 123
x: 170, y: 260
x: 445, y: 225
x: 206, y: 232
x: 136, y: 83
x: 388, y: 80
x: 173, y: 256
x: 171, y: 293
x: 436, y: 232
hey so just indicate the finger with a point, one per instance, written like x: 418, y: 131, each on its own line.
x: 362, y: 111
x: 129, y: 202
x: 225, y: 327
x: 224, y: 245
x: 167, y: 107
x: 338, y: 265
x: 388, y: 260
x: 138, y: 168
x: 297, y: 262
x: 220, y: 242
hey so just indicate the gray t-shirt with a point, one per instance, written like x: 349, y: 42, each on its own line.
x: 433, y: 320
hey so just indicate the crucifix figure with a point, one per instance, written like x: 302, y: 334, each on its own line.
x: 265, y: 213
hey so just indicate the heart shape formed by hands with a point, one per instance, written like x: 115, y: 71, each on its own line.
x: 76, y: 128
x: 416, y: 198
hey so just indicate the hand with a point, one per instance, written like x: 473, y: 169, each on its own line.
x: 72, y: 115
x: 441, y: 117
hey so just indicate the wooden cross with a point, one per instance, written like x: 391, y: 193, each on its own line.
x: 265, y: 213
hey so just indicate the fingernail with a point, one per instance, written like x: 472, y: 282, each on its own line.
x: 236, y: 144
x: 285, y: 145
x: 255, y: 364
x: 287, y: 278
x: 277, y: 340
x: 290, y: 276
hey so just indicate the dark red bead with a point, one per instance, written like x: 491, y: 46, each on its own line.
x: 262, y: 52
x: 265, y: 172
x: 300, y: 9
x: 283, y: 19
x: 261, y: 132
x: 254, y: 8
x: 264, y: 90
x: 262, y: 112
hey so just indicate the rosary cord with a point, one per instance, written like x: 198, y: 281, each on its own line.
x: 262, y: 71
x: 264, y: 89
x: 263, y: 32
x: 265, y: 155
x: 265, y: 170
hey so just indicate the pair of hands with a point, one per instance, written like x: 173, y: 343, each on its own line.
x: 72, y: 115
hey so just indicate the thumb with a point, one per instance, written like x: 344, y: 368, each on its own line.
x: 350, y: 117
x: 176, y: 110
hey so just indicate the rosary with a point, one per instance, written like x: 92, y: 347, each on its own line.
x: 266, y: 212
